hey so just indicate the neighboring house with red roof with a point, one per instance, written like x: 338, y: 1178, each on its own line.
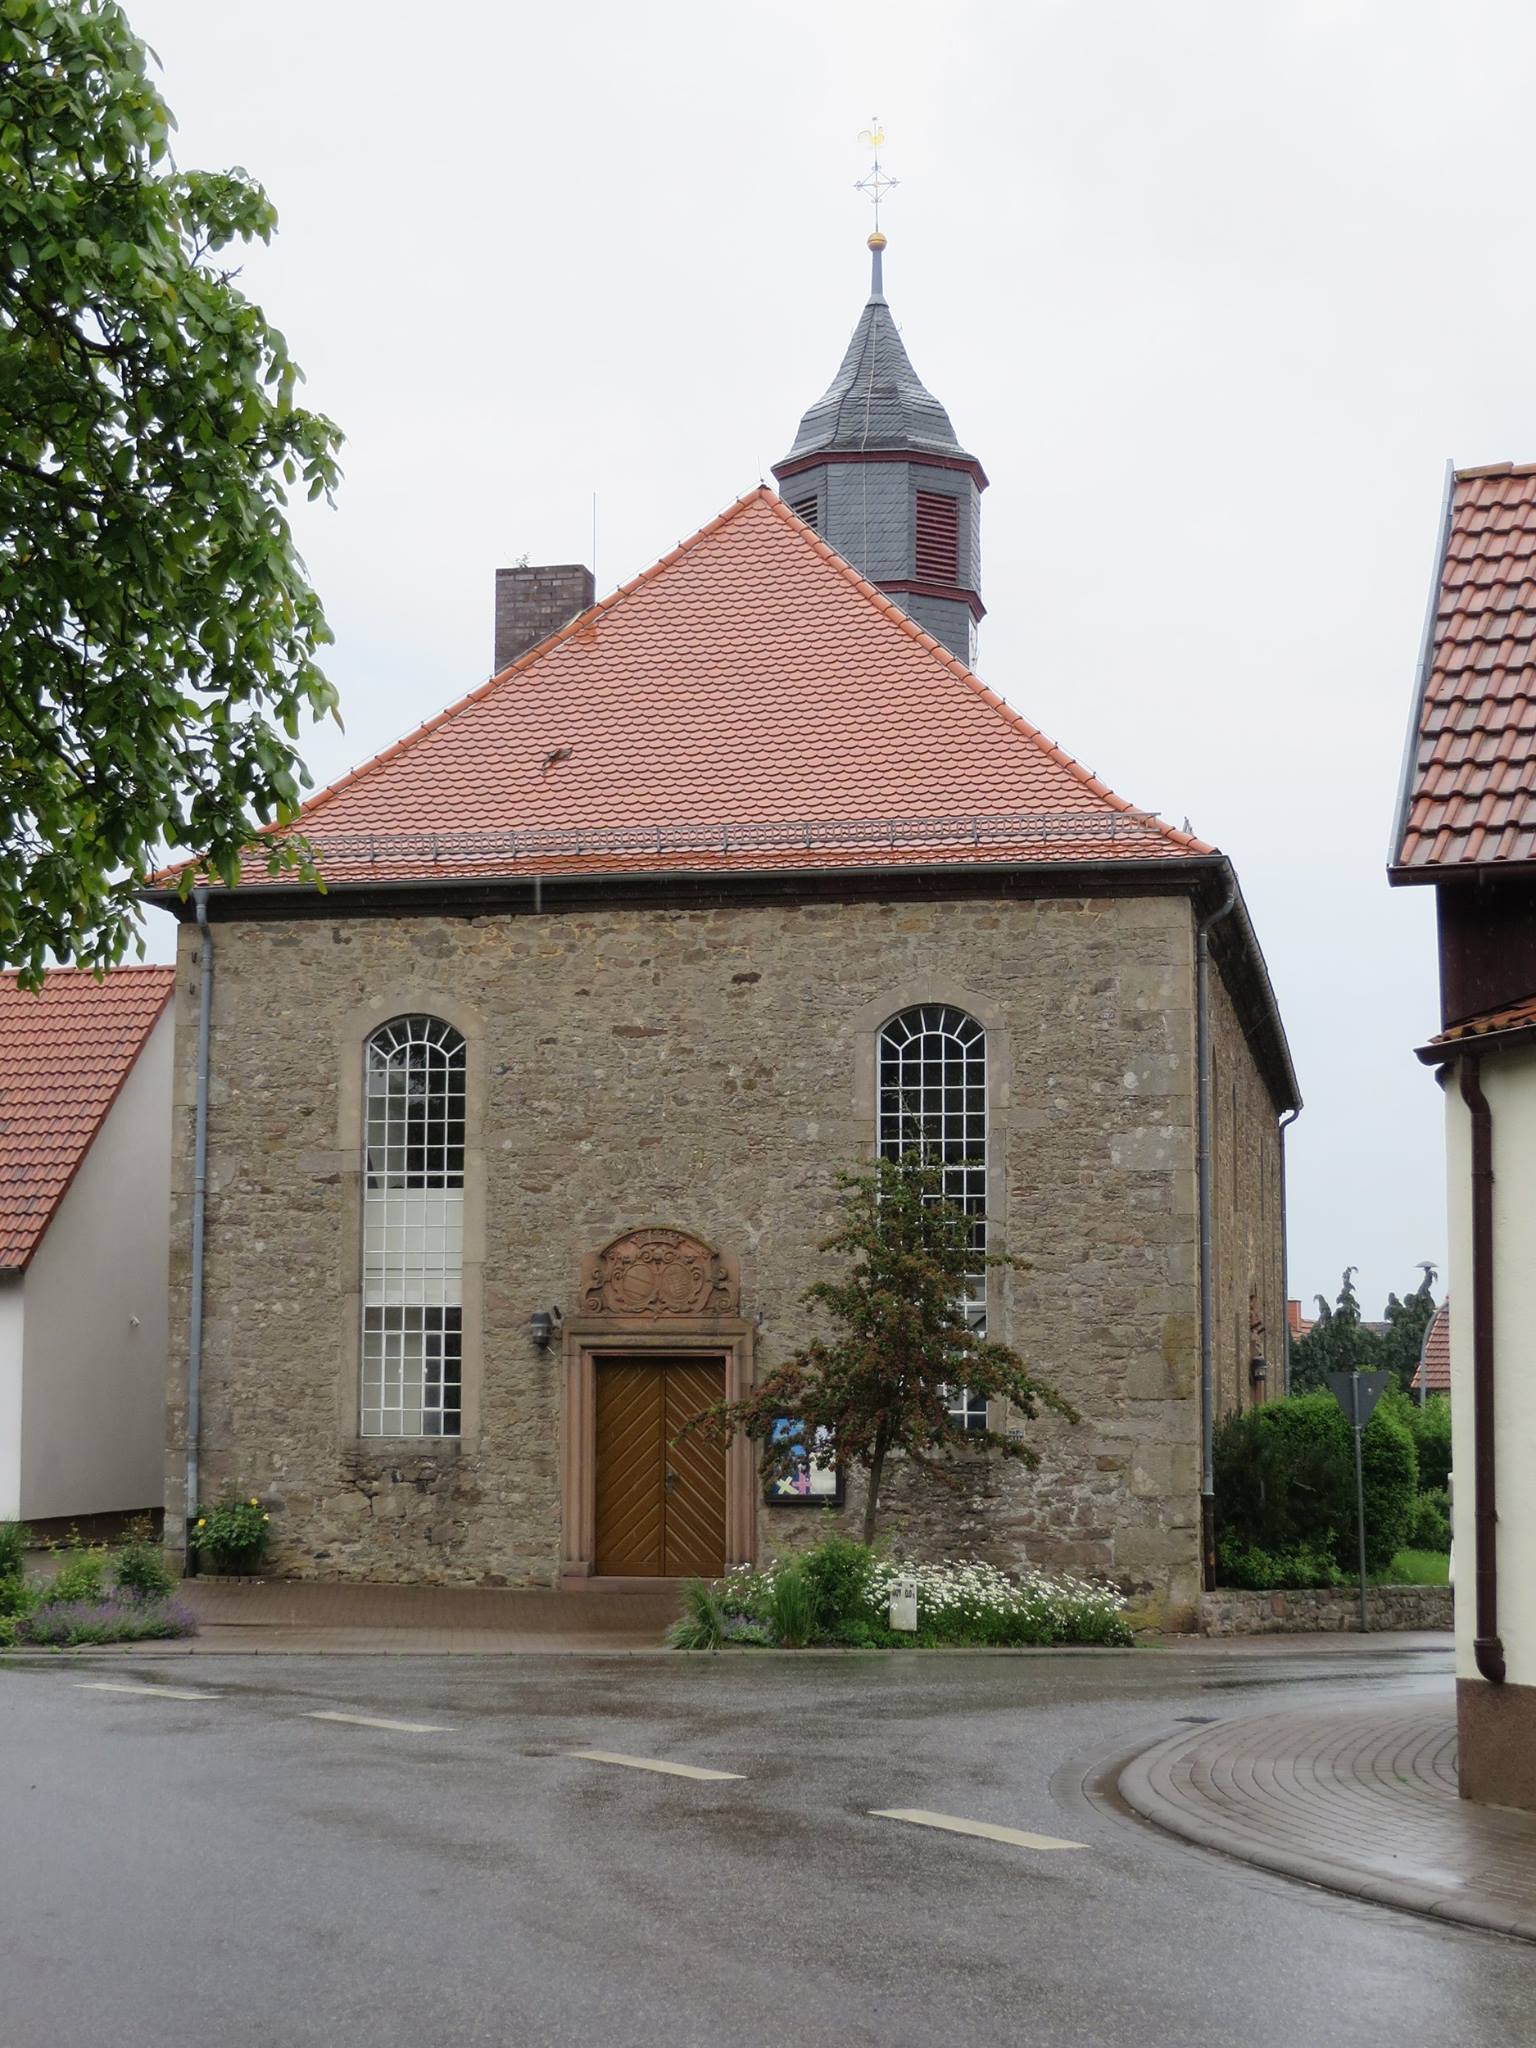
x: 85, y: 1166
x: 1434, y: 1369
x: 523, y: 1137
x: 1466, y: 826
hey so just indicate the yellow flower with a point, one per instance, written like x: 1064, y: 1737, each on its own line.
x: 202, y: 1521
x: 255, y: 1503
x: 266, y: 1518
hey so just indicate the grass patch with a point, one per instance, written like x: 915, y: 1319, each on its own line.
x: 1415, y: 1568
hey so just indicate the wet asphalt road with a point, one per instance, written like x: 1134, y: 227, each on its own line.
x: 225, y: 1873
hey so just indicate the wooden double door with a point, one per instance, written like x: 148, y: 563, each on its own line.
x: 660, y: 1505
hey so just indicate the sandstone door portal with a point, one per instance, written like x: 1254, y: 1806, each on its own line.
x: 660, y: 1505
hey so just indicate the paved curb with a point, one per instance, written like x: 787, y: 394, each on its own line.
x: 1140, y: 1793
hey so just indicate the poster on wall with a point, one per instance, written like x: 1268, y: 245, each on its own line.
x: 813, y: 1479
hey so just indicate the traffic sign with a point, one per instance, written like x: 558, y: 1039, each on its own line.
x: 1372, y: 1385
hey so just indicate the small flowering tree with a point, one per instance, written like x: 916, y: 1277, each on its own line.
x: 886, y: 1381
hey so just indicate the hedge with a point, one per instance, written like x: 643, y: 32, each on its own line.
x: 1285, y: 1483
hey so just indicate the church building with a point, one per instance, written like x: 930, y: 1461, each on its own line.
x: 514, y: 1148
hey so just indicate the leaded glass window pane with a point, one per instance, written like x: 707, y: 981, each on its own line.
x: 933, y: 1100
x: 413, y: 1229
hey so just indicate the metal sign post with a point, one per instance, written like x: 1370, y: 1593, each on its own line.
x: 1357, y: 1394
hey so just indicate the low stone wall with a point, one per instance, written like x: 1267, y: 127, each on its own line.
x: 1228, y: 1612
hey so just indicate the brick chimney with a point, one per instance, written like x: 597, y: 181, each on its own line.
x: 533, y: 603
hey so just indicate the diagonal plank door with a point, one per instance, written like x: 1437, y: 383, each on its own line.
x: 694, y: 1522
x: 630, y: 1469
x: 660, y: 1506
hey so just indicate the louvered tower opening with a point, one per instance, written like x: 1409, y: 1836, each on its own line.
x: 806, y: 509
x: 938, y: 538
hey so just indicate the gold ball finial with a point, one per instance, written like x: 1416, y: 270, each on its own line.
x: 877, y: 240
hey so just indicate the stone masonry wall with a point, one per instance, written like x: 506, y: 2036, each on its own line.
x: 1327, y: 1611
x: 700, y: 1068
x: 1248, y: 1274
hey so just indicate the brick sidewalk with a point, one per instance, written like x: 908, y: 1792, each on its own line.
x: 296, y: 1616
x: 1361, y: 1800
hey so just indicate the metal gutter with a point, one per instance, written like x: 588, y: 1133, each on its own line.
x: 1487, y: 1649
x: 1426, y: 653
x: 1285, y: 1258
x: 199, y: 1206
x: 1205, y: 1119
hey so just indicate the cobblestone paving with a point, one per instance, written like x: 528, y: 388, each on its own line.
x: 1361, y: 1800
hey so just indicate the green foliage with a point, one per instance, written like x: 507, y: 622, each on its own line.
x: 140, y: 1566
x: 791, y: 1608
x: 1415, y: 1567
x: 883, y: 1384
x: 1401, y: 1345
x: 160, y: 631
x: 838, y: 1571
x: 839, y: 1592
x: 701, y: 1625
x: 1390, y: 1472
x: 1430, y: 1528
x: 1248, y: 1566
x: 1431, y: 1425
x: 233, y: 1533
x: 1285, y: 1485
x: 83, y: 1573
x: 17, y: 1597
x: 15, y: 1541
x: 1340, y: 1342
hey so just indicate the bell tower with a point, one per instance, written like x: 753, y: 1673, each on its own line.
x: 876, y: 469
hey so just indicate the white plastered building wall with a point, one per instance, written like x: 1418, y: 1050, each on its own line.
x: 11, y: 1326
x: 93, y: 1340
x: 1509, y: 1085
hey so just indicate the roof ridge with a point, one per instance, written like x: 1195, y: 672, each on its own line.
x: 523, y: 662
x: 1188, y: 841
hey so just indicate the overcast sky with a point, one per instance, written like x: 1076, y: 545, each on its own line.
x: 1212, y: 291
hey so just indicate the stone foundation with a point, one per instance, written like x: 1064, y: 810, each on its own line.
x: 1329, y: 1610
x: 1496, y: 1743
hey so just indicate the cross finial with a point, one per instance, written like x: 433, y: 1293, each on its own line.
x: 875, y: 181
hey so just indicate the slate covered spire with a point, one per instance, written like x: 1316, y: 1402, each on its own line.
x: 879, y: 471
x: 876, y: 400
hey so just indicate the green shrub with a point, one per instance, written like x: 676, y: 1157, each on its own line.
x: 791, y: 1615
x: 16, y: 1598
x: 1263, y: 1571
x: 141, y: 1566
x: 15, y: 1541
x: 702, y: 1624
x: 838, y: 1571
x: 1431, y: 1525
x: 1431, y: 1426
x: 1285, y: 1482
x: 233, y: 1533
x: 82, y: 1577
x: 1390, y: 1471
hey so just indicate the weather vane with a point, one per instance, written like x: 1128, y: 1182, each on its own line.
x: 875, y: 182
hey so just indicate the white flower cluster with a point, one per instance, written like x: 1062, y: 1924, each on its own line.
x: 974, y: 1587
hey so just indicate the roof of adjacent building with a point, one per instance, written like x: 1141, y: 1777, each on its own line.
x: 1434, y: 1370
x: 748, y: 703
x: 1510, y: 1020
x: 1468, y: 793
x: 64, y: 1054
x: 876, y: 400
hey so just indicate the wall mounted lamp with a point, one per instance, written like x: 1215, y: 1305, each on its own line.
x: 542, y: 1324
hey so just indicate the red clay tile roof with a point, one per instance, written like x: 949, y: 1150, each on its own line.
x: 1434, y: 1373
x: 1469, y: 778
x: 1519, y: 1016
x: 750, y: 702
x: 64, y: 1054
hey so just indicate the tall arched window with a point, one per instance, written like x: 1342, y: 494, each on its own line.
x: 933, y: 1099
x: 413, y: 1229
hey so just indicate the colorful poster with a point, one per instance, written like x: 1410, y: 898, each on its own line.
x: 814, y: 1479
